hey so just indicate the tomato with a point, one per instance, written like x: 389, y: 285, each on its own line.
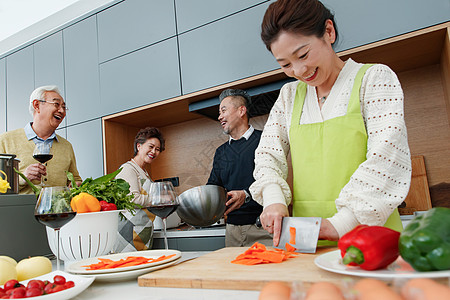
x: 58, y: 279
x: 48, y: 288
x: 35, y: 284
x: 13, y: 289
x: 18, y: 293
x: 58, y: 288
x: 11, y: 284
x: 105, y: 206
x: 33, y: 292
x: 69, y: 284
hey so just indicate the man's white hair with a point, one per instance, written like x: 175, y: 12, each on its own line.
x: 39, y: 93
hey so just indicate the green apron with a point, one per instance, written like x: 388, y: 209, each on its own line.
x: 326, y: 154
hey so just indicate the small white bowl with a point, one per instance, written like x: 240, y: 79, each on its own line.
x: 87, y: 235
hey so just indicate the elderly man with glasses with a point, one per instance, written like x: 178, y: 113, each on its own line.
x: 48, y: 110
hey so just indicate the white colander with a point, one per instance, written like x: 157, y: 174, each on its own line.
x: 87, y: 235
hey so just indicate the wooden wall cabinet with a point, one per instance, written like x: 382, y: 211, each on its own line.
x: 421, y: 60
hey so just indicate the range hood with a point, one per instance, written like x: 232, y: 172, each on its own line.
x: 263, y: 98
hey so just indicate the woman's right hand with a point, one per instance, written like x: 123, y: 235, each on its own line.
x: 271, y: 220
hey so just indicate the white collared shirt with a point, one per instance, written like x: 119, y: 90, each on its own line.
x: 246, y: 135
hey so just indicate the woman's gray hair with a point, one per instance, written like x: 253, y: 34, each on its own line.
x: 39, y: 93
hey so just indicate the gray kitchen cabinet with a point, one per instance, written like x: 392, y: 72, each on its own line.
x: 140, y: 78
x: 194, y: 13
x: 21, y: 235
x: 19, y: 85
x: 386, y: 19
x: 2, y: 95
x: 81, y: 71
x: 224, y: 51
x: 48, y: 62
x: 133, y: 24
x: 86, y: 140
x: 62, y: 132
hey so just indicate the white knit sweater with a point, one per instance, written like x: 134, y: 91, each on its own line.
x: 380, y: 183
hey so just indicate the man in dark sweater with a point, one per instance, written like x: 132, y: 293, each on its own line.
x: 233, y: 169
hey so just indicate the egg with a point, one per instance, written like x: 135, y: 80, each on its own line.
x: 275, y: 290
x: 324, y: 290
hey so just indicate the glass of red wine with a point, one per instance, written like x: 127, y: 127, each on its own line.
x: 42, y: 154
x: 53, y: 210
x: 163, y: 202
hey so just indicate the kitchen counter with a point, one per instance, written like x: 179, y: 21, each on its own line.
x: 130, y: 290
x: 190, y: 231
x: 189, y: 238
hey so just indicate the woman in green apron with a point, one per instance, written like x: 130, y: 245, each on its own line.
x: 342, y: 124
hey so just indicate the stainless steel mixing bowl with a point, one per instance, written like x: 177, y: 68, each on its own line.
x: 202, y: 205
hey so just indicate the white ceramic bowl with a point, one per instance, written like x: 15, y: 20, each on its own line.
x: 87, y: 235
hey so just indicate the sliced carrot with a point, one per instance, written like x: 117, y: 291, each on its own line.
x: 273, y: 257
x: 290, y: 248
x: 129, y: 261
x: 292, y: 232
x: 258, y: 254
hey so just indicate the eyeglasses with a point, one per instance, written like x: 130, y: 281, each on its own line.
x: 56, y: 104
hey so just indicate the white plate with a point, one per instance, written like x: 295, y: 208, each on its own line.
x: 127, y: 275
x: 78, y: 268
x: 81, y: 283
x: 332, y: 261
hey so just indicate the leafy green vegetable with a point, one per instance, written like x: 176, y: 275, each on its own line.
x: 62, y: 202
x: 107, y: 188
x: 35, y: 189
x: 71, y: 178
x: 107, y: 177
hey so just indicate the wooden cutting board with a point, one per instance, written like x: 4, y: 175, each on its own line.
x: 418, y: 198
x: 214, y: 271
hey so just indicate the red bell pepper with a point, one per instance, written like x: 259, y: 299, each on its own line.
x: 369, y: 247
x: 107, y: 206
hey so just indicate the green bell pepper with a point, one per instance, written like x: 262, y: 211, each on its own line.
x: 425, y: 242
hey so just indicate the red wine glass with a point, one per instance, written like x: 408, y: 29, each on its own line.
x: 53, y: 210
x: 163, y: 202
x: 42, y: 154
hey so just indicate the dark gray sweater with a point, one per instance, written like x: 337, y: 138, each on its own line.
x: 233, y: 169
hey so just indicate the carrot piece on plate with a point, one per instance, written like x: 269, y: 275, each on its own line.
x: 125, y: 262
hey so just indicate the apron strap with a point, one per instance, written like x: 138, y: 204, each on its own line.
x: 353, y: 105
x: 354, y: 102
x: 298, y: 105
